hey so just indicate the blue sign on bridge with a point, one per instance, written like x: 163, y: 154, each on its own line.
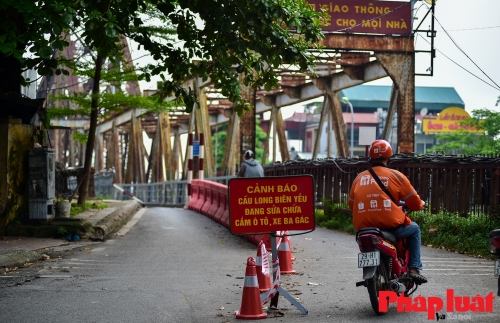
x: 196, y: 148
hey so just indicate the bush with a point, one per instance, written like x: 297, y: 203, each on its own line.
x: 464, y: 234
x: 334, y: 217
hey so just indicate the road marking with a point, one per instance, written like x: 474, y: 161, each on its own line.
x: 457, y: 274
x: 466, y: 258
x: 462, y: 266
x: 458, y: 261
x: 131, y: 223
x: 98, y: 249
x: 453, y: 269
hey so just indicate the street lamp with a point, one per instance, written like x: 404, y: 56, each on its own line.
x: 346, y: 100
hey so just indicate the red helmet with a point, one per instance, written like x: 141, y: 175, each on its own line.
x: 380, y: 149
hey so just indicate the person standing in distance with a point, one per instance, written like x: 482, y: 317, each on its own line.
x: 250, y: 167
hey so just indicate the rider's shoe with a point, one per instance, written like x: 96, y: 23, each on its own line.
x: 417, y: 277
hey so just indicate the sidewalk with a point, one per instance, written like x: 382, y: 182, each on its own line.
x: 16, y: 251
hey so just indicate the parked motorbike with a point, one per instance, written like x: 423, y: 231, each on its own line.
x: 384, y: 260
x: 495, y: 249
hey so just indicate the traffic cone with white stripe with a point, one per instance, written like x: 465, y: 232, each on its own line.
x: 290, y: 246
x: 285, y: 257
x: 251, y: 308
x: 264, y: 281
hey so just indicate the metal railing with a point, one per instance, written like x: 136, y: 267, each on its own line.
x: 454, y: 184
x: 447, y: 183
x: 103, y: 183
x: 173, y: 193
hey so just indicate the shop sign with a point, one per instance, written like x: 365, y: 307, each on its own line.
x: 448, y: 121
x: 370, y: 17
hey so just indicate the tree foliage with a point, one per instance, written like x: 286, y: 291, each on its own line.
x: 110, y: 100
x: 471, y: 143
x: 216, y: 39
x: 223, y: 38
x: 30, y: 31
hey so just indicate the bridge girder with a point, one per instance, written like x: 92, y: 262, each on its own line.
x: 350, y: 60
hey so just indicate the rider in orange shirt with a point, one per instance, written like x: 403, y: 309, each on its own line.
x: 372, y: 207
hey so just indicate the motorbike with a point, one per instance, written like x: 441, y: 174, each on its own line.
x: 495, y: 249
x: 384, y: 260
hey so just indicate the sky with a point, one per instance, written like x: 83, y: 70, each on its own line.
x: 475, y: 28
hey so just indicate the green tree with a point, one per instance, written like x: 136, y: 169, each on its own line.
x: 219, y: 140
x: 109, y: 100
x: 220, y: 37
x: 473, y: 143
x: 216, y: 39
x: 260, y: 141
x: 29, y: 33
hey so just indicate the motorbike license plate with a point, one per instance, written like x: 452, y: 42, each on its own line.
x: 497, y: 268
x: 368, y: 259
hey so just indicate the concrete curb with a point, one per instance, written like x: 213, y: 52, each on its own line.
x: 19, y: 258
x: 116, y: 219
x: 109, y: 224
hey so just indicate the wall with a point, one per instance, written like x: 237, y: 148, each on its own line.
x: 17, y: 139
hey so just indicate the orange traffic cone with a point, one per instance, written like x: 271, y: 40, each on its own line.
x: 290, y: 247
x: 267, y: 238
x: 285, y: 257
x: 264, y: 281
x: 251, y: 308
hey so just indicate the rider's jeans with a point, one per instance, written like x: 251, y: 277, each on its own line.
x: 412, y: 234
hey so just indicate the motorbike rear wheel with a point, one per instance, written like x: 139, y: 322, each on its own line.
x: 379, y: 282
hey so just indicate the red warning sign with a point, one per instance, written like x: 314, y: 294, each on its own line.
x: 270, y: 204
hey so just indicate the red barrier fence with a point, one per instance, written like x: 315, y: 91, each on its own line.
x: 211, y: 199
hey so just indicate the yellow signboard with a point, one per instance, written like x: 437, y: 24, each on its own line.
x: 448, y: 120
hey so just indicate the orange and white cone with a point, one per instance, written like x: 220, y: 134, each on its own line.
x: 267, y: 239
x: 251, y: 307
x: 290, y: 247
x: 285, y: 257
x: 264, y: 281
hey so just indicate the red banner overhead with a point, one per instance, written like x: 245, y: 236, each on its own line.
x: 270, y: 204
x: 366, y: 16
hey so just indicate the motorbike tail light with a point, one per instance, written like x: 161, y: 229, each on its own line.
x: 495, y: 244
x: 368, y: 240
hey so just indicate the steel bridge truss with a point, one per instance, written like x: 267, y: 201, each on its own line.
x: 346, y: 61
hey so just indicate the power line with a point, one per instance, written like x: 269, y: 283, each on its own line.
x: 475, y: 28
x: 496, y: 88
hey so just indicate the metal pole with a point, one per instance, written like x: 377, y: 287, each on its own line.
x: 352, y: 128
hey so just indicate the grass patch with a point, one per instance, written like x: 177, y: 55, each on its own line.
x: 88, y: 205
x: 463, y: 234
x: 335, y: 218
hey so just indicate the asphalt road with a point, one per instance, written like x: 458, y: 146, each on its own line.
x: 175, y: 265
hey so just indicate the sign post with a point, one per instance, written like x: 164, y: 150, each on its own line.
x: 261, y: 205
x: 367, y: 135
